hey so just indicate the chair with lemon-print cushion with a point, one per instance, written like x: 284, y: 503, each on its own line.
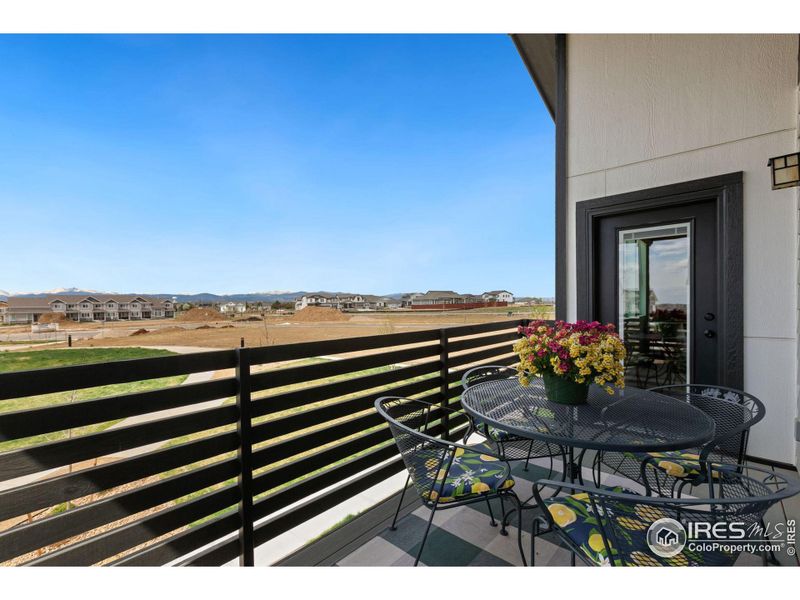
x: 445, y: 474
x: 666, y: 473
x: 506, y: 445
x: 612, y: 526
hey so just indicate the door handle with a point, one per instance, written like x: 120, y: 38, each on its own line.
x: 708, y: 333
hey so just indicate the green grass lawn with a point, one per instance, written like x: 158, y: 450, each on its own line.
x: 46, y: 359
x: 41, y: 359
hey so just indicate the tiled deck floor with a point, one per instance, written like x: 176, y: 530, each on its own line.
x: 464, y: 537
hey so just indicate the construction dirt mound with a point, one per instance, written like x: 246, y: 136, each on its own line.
x: 318, y: 314
x: 53, y: 318
x: 140, y: 332
x: 200, y: 314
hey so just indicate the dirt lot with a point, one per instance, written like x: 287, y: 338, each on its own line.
x: 275, y: 329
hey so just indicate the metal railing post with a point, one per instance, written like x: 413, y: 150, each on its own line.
x: 245, y: 452
x: 445, y: 385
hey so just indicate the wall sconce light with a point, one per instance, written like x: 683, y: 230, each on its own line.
x: 785, y: 171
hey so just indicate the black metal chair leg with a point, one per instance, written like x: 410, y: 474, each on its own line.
x: 534, y: 535
x: 400, y: 504
x: 492, y: 522
x: 528, y: 458
x: 503, y: 530
x: 425, y: 537
x: 597, y: 468
x: 519, y: 530
x: 572, y: 559
x: 680, y: 488
x: 768, y: 556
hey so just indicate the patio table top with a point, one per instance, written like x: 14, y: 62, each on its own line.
x: 630, y: 419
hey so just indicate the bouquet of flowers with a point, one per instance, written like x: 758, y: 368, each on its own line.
x: 583, y: 353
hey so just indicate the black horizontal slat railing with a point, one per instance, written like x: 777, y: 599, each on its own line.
x: 18, y: 463
x: 308, y: 395
x: 52, y: 491
x: 294, y: 375
x: 38, y: 534
x: 25, y: 423
x: 31, y: 383
x: 203, y: 484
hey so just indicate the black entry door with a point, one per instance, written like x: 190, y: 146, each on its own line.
x: 658, y: 283
x: 665, y: 265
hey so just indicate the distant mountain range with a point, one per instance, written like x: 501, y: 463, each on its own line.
x: 204, y: 297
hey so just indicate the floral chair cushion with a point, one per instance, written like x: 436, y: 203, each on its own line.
x: 472, y: 472
x: 681, y: 465
x: 499, y: 435
x: 575, y: 517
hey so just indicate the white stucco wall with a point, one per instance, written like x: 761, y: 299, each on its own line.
x: 797, y: 192
x: 646, y: 111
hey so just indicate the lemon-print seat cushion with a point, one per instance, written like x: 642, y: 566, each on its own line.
x: 682, y: 465
x: 473, y: 472
x: 499, y: 435
x: 575, y: 517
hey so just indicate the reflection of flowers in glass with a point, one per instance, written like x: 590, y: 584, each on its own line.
x: 584, y: 352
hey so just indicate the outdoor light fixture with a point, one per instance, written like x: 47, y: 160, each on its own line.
x: 785, y: 171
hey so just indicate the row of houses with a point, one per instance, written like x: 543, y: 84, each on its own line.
x: 450, y: 300
x: 347, y: 301
x: 96, y: 307
x: 430, y: 300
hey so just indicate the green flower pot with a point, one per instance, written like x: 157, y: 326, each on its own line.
x: 564, y: 391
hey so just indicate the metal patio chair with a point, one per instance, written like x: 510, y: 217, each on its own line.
x: 605, y: 526
x: 445, y: 474
x: 507, y: 446
x: 667, y: 473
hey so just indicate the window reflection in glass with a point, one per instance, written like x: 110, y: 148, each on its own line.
x: 654, y: 292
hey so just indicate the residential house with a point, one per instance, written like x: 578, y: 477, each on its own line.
x: 315, y: 299
x: 450, y: 300
x: 664, y: 178
x: 380, y: 302
x: 343, y: 301
x: 233, y: 307
x: 96, y: 307
x: 498, y: 296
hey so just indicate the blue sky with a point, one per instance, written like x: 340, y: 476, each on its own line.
x: 227, y: 164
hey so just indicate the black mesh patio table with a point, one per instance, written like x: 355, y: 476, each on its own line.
x: 631, y: 419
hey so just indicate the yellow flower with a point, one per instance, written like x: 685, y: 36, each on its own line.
x: 632, y: 524
x: 596, y: 542
x: 672, y: 469
x: 562, y: 515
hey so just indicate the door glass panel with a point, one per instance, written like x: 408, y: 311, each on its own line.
x: 654, y: 292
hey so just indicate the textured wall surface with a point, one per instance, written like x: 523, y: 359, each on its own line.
x: 646, y: 111
x: 797, y: 192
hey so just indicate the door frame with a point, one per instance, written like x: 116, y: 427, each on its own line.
x: 726, y: 191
